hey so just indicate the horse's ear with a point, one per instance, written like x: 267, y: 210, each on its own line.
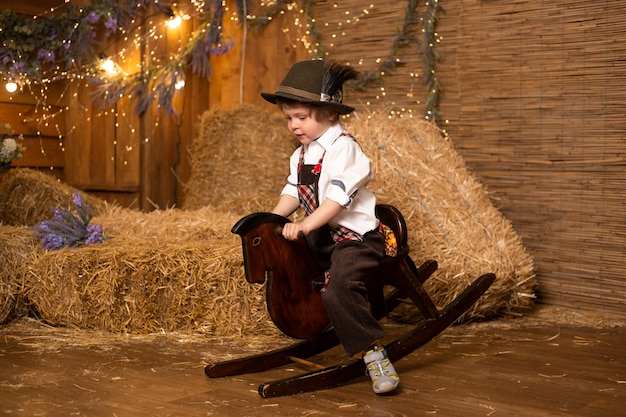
x: 254, y: 220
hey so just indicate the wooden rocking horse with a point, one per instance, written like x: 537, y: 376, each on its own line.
x: 296, y: 307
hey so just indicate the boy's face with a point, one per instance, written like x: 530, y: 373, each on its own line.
x: 302, y: 123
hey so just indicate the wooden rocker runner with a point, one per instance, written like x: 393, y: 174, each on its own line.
x: 295, y: 304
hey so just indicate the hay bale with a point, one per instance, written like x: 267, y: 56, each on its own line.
x: 239, y: 161
x: 449, y: 214
x: 182, y: 269
x: 27, y: 197
x: 160, y: 271
x: 17, y: 249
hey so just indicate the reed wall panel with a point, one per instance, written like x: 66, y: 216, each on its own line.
x: 533, y: 92
x: 538, y: 113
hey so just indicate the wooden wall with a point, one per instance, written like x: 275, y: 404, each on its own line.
x: 142, y: 161
x: 43, y: 139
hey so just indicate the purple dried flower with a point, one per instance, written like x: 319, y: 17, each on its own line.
x: 78, y: 200
x: 92, y: 18
x: 95, y: 235
x: 52, y: 241
x: 220, y: 48
x: 45, y: 55
x: 111, y: 27
x: 58, y: 214
x: 17, y: 67
x: 68, y: 228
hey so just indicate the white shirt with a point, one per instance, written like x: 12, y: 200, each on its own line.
x: 345, y: 172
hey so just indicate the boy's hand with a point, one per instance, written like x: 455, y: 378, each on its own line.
x: 294, y: 231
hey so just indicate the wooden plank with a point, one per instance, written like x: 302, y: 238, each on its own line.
x: 195, y: 101
x: 126, y: 159
x: 160, y: 130
x: 31, y: 7
x: 268, y: 56
x: 42, y: 152
x: 29, y: 119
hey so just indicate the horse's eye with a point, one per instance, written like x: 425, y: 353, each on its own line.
x: 256, y: 241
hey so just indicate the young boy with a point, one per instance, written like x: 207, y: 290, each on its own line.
x: 328, y: 177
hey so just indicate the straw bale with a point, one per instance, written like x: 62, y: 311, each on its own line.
x: 17, y: 249
x: 238, y: 159
x: 161, y: 271
x: 449, y: 215
x: 27, y: 197
x: 448, y: 211
x: 182, y: 269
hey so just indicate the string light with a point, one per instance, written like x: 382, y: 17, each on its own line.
x: 11, y: 86
x: 180, y: 82
x: 108, y: 65
x: 128, y: 62
x: 174, y: 22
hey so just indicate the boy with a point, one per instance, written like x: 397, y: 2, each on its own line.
x: 328, y: 177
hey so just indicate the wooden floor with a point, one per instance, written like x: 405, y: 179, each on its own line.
x: 539, y: 367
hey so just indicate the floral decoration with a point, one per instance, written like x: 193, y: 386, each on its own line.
x: 11, y: 149
x: 65, y: 44
x: 69, y: 228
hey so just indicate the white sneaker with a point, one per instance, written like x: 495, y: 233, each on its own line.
x: 381, y: 371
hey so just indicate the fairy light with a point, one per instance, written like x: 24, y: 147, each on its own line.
x: 108, y: 65
x: 11, y: 86
x: 337, y: 27
x: 174, y: 22
x: 303, y: 31
x: 180, y: 82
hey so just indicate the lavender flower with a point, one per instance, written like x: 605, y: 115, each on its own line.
x: 17, y: 68
x: 78, y: 200
x: 92, y: 18
x: 221, y: 48
x: 68, y: 228
x: 96, y: 235
x: 52, y: 242
x: 45, y: 55
x: 111, y: 27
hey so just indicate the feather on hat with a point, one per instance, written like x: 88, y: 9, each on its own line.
x: 315, y: 82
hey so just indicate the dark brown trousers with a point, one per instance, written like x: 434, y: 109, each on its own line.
x: 352, y: 263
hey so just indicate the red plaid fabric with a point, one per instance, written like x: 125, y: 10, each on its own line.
x: 340, y: 233
x: 307, y: 188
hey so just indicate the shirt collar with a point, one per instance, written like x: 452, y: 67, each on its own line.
x: 329, y: 137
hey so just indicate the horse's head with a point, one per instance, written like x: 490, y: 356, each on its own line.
x: 295, y: 307
x: 263, y: 246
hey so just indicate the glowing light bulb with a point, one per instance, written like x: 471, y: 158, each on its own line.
x: 180, y: 81
x: 174, y: 22
x: 108, y: 65
x: 11, y: 86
